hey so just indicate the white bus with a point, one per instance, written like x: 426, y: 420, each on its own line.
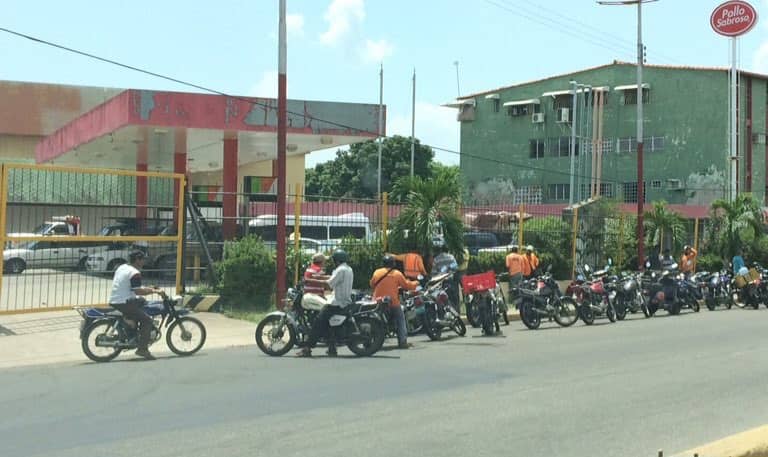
x: 321, y: 228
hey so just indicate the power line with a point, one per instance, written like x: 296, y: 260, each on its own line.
x: 255, y: 102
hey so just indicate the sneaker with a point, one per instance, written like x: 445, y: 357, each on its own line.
x: 145, y: 353
x: 332, y: 352
x: 304, y: 352
x: 405, y: 346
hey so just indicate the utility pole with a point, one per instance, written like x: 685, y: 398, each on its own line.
x: 281, y: 147
x: 640, y: 186
x: 413, y: 121
x: 572, y: 188
x: 381, y: 124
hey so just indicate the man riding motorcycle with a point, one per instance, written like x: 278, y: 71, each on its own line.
x: 125, y: 297
x: 445, y: 262
x: 341, y: 283
x: 387, y: 282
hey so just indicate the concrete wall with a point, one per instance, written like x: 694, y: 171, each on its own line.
x: 689, y: 108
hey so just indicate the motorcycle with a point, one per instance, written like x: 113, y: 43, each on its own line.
x: 104, y: 333
x: 660, y: 290
x: 629, y: 296
x: 745, y: 289
x: 717, y: 289
x: 358, y: 326
x: 439, y: 312
x: 542, y: 298
x: 486, y: 301
x: 591, y: 295
x: 496, y: 295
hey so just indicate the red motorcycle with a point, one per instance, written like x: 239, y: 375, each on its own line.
x: 591, y: 296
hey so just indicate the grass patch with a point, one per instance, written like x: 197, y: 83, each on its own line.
x: 246, y: 313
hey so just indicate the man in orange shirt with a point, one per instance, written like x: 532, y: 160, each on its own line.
x: 515, y: 266
x: 532, y: 259
x: 688, y: 260
x: 386, y: 282
x: 413, y: 264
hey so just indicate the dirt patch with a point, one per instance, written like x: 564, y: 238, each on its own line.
x: 752, y: 443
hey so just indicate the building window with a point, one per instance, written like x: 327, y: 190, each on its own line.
x: 656, y: 184
x: 537, y: 149
x: 561, y: 146
x: 650, y: 144
x: 630, y: 192
x: 496, y: 105
x: 559, y: 191
x: 519, y: 110
x: 630, y: 97
x: 562, y: 101
x: 606, y: 190
x: 607, y: 146
x: 530, y: 195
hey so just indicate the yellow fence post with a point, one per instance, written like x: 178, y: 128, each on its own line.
x: 573, y: 241
x: 520, y: 223
x: 182, y: 211
x: 621, y: 239
x: 384, y: 219
x: 695, y: 241
x: 3, y: 207
x: 297, y: 199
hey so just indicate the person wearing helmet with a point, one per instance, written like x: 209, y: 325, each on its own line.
x: 387, y: 282
x: 126, y: 297
x: 688, y: 260
x: 413, y: 264
x: 445, y: 262
x: 515, y: 266
x: 532, y: 259
x: 340, y: 282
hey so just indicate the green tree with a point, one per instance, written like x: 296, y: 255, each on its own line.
x: 664, y: 227
x: 354, y: 172
x: 431, y: 208
x: 737, y: 224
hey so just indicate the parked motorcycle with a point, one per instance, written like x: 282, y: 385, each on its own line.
x: 486, y: 300
x: 439, y: 312
x: 358, y: 327
x: 593, y: 299
x: 542, y: 298
x: 717, y: 289
x: 104, y: 333
x: 688, y: 292
x: 745, y: 289
x: 629, y: 296
x: 496, y: 294
x: 660, y: 289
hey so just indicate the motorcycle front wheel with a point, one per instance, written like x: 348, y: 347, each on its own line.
x: 185, y: 336
x: 275, y: 336
x: 621, y: 310
x: 371, y: 338
x: 433, y: 329
x: 529, y: 316
x: 504, y: 309
x: 566, y: 311
x: 694, y: 304
x: 99, y: 331
x: 587, y: 314
x: 610, y: 311
x: 459, y: 327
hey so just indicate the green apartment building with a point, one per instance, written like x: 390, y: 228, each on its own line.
x: 516, y: 140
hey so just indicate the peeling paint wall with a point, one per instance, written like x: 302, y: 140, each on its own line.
x: 688, y: 108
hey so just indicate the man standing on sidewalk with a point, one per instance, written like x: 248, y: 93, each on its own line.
x: 413, y: 264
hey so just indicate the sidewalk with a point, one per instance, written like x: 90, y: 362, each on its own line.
x: 53, y: 337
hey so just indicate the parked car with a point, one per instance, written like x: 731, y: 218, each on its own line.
x: 477, y: 241
x: 49, y: 254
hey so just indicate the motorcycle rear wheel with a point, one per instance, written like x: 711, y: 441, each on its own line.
x: 694, y: 304
x: 433, y: 329
x: 99, y: 329
x: 529, y: 316
x: 371, y: 339
x: 710, y: 303
x: 459, y: 327
x: 504, y: 309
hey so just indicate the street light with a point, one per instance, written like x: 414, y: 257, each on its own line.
x: 640, y: 186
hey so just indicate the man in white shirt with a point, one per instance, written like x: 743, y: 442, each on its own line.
x: 125, y: 297
x: 341, y: 283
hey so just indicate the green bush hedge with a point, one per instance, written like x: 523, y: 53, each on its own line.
x: 246, y: 275
x: 709, y: 262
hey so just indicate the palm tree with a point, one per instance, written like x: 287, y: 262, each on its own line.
x: 741, y: 222
x: 661, y: 222
x: 431, y: 208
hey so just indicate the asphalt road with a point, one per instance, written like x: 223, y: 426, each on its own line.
x: 623, y: 389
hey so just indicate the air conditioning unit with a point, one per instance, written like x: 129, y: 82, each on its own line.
x: 563, y: 115
x: 538, y: 118
x: 674, y: 184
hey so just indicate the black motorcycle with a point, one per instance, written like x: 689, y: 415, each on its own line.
x: 716, y: 288
x: 495, y: 295
x: 439, y: 312
x: 104, y: 333
x: 628, y: 297
x: 541, y: 297
x: 358, y: 326
x: 660, y: 290
x: 688, y: 292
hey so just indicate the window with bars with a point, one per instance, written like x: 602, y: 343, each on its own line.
x: 496, y: 105
x: 537, y: 148
x: 630, y: 192
x: 531, y: 195
x: 607, y: 146
x: 561, y: 146
x: 630, y: 96
x: 562, y: 101
x: 559, y: 191
x: 607, y: 190
x: 519, y: 110
x: 650, y: 144
x: 656, y: 184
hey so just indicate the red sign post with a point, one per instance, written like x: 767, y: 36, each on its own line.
x: 733, y: 18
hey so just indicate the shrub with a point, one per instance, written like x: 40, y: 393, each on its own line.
x: 364, y: 258
x: 709, y: 262
x: 487, y: 261
x: 246, y: 275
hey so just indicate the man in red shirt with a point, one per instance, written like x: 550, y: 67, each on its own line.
x: 314, y: 277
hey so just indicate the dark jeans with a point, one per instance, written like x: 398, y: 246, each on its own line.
x: 459, y: 296
x: 133, y: 310
x: 321, y: 326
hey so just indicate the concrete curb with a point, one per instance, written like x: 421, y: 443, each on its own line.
x: 752, y: 443
x: 513, y: 317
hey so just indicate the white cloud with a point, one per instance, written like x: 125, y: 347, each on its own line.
x: 294, y: 24
x: 435, y: 126
x: 342, y: 16
x: 760, y: 58
x: 266, y: 87
x: 377, y: 51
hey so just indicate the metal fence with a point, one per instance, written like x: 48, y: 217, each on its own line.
x: 65, y: 230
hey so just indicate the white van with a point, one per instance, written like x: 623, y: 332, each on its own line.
x: 320, y: 228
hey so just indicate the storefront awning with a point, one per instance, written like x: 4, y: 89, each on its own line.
x: 632, y: 87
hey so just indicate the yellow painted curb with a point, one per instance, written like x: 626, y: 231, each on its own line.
x: 752, y: 443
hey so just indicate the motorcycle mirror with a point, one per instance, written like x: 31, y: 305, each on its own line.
x: 420, y: 277
x: 587, y: 268
x: 549, y: 268
x: 610, y: 261
x: 647, y: 264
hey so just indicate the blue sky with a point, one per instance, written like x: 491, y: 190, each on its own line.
x: 335, y: 47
